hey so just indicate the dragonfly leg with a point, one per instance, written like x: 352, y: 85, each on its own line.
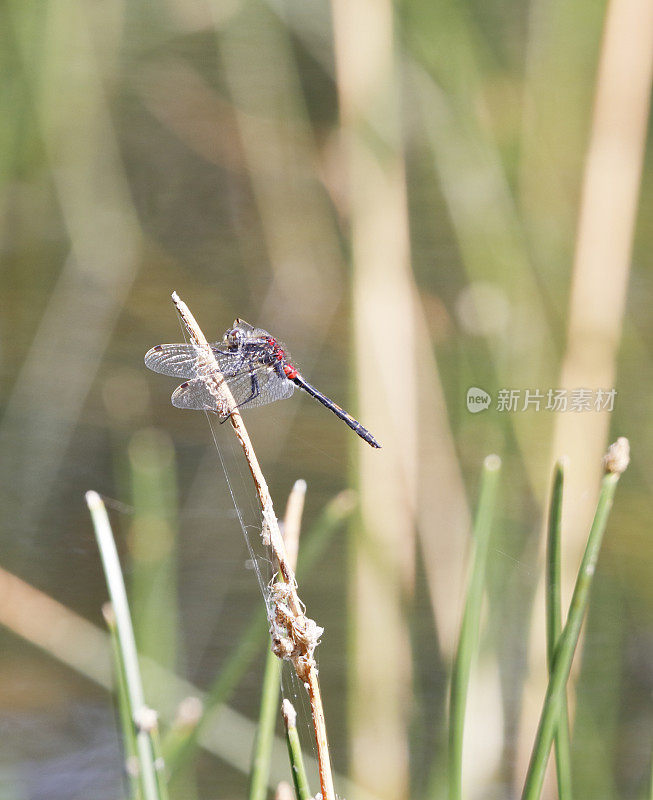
x: 256, y: 390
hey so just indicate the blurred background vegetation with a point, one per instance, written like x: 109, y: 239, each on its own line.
x: 418, y: 198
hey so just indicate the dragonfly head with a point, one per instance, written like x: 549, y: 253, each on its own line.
x: 239, y: 331
x: 234, y: 336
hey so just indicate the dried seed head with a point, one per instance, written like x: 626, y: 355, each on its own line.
x: 146, y: 719
x: 189, y: 712
x: 289, y: 713
x: 617, y: 458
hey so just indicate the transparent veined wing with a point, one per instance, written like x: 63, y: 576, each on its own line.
x: 250, y: 388
x: 259, y: 387
x: 195, y: 395
x: 246, y: 327
x: 188, y: 360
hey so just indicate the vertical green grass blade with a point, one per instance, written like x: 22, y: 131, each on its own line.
x: 554, y: 626
x: 126, y: 643
x: 300, y: 780
x: 152, y: 545
x: 126, y: 722
x: 468, y: 641
x: 258, y: 787
x: 159, y: 763
x: 615, y: 462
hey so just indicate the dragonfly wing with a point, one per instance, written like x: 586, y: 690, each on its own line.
x: 259, y: 387
x: 243, y: 326
x: 188, y: 360
x: 195, y: 395
x: 178, y: 360
x: 278, y: 389
x: 251, y: 383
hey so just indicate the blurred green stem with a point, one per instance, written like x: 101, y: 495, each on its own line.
x: 468, y: 641
x: 258, y: 787
x: 152, y: 545
x: 159, y: 763
x: 126, y: 722
x: 300, y: 780
x: 554, y: 626
x: 126, y: 643
x: 567, y: 641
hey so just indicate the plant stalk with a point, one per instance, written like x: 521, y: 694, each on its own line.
x: 615, y: 463
x: 127, y: 645
x: 468, y: 641
x: 554, y: 626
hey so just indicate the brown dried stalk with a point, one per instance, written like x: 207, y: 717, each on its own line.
x: 300, y: 634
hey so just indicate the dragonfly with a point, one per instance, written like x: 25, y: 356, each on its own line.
x: 256, y: 367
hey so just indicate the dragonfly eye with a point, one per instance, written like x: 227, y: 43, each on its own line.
x: 234, y: 337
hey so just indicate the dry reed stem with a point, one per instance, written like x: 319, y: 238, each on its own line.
x: 292, y: 521
x: 368, y: 78
x: 604, y: 241
x: 600, y: 277
x: 302, y: 631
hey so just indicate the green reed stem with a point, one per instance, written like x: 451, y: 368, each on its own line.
x: 126, y: 643
x: 258, y: 787
x: 468, y: 640
x: 153, y: 546
x: 300, y: 780
x: 554, y: 626
x: 126, y: 722
x: 159, y: 763
x: 567, y: 641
